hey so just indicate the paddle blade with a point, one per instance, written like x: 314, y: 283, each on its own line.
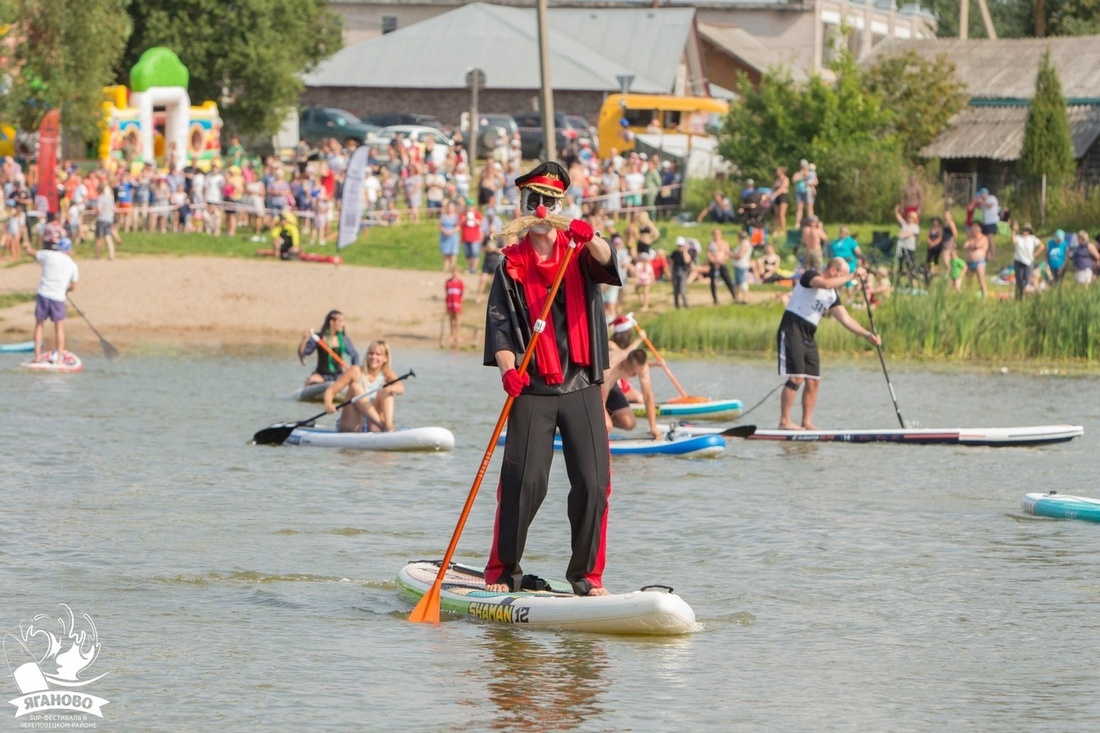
x: 109, y: 351
x: 739, y: 431
x: 687, y: 400
x: 275, y: 435
x: 427, y: 610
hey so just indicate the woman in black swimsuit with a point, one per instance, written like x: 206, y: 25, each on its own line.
x: 779, y: 199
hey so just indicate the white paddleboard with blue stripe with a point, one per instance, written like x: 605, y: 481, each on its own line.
x: 1062, y: 506
x: 703, y: 409
x: 684, y: 446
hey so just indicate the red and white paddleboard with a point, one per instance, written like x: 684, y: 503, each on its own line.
x: 306, y: 257
x: 66, y: 363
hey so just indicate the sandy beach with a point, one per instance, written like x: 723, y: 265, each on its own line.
x: 142, y: 301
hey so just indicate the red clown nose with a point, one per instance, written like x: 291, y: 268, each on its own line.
x: 540, y: 211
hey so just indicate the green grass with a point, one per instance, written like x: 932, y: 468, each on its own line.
x: 741, y: 329
x: 408, y: 247
x: 1059, y: 326
x: 1056, y: 326
x: 8, y: 300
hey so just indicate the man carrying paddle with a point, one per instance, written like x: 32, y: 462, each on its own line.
x: 814, y: 295
x: 560, y: 391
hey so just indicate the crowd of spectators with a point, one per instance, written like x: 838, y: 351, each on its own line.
x: 624, y: 196
x: 406, y: 180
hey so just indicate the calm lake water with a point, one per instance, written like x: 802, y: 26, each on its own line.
x: 841, y: 587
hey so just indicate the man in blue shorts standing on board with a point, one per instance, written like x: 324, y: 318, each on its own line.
x: 814, y: 295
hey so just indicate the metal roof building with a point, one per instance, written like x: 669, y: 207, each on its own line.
x: 985, y: 138
x: 422, y: 67
x: 1006, y: 68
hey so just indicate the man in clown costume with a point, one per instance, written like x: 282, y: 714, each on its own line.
x: 561, y: 388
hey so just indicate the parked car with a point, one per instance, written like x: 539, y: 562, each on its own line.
x: 567, y: 128
x: 388, y: 119
x: 490, y: 128
x: 317, y: 123
x: 419, y: 133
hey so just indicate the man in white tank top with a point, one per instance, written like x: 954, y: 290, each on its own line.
x: 814, y: 295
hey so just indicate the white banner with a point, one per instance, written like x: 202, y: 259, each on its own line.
x: 77, y: 702
x: 351, y: 205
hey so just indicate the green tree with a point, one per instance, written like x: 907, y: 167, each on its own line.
x: 1048, y: 147
x: 1021, y: 18
x: 62, y: 54
x: 247, y: 55
x: 1011, y: 18
x: 923, y: 94
x: 1073, y: 17
x: 844, y: 129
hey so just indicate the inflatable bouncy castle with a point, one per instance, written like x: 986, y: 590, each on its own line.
x: 154, y: 118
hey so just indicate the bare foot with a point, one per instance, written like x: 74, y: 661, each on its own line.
x: 808, y: 426
x: 498, y: 588
x: 598, y: 592
x: 789, y: 426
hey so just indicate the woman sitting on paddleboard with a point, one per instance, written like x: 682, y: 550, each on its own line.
x: 374, y: 412
x: 332, y: 333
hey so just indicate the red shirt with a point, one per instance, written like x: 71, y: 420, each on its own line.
x: 471, y: 226
x: 328, y: 182
x: 659, y: 264
x: 454, y: 288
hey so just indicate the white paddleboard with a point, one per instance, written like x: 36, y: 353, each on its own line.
x: 66, y: 363
x: 992, y: 437
x: 404, y: 439
x: 650, y: 610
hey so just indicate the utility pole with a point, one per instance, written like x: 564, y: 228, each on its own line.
x: 964, y: 19
x: 987, y: 20
x: 546, y: 98
x: 475, y: 80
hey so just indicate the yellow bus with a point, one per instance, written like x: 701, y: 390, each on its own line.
x: 644, y: 113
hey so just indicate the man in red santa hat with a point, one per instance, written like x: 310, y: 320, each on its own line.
x: 628, y: 360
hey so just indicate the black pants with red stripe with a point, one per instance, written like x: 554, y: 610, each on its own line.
x: 524, y: 477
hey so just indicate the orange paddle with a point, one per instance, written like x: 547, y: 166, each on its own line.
x: 683, y: 398
x: 427, y: 610
x: 321, y: 342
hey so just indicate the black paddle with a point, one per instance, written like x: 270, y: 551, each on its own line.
x: 871, y: 318
x: 736, y: 431
x: 277, y: 434
x: 109, y: 351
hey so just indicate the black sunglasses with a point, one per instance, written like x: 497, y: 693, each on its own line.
x: 534, y: 199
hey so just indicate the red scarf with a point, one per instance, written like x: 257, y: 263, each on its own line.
x: 522, y: 264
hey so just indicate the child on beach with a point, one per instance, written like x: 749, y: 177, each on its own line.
x: 453, y: 289
x: 958, y: 268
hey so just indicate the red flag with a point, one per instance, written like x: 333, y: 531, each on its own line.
x: 47, y: 159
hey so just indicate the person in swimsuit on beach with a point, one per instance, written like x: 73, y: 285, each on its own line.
x: 780, y: 199
x: 976, y: 249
